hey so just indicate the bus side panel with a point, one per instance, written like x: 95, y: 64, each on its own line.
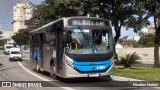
x: 47, y: 56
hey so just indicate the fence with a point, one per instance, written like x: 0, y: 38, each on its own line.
x: 144, y: 53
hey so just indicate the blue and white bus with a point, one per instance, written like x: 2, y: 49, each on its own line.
x: 73, y: 47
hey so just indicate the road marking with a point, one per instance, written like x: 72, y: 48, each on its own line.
x: 42, y: 78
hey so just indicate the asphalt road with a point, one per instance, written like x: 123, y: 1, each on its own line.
x: 23, y: 71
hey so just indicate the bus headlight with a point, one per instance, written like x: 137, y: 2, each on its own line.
x: 69, y: 64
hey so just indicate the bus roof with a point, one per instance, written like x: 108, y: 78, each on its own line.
x: 41, y: 29
x: 46, y: 25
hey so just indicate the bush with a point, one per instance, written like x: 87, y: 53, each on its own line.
x: 129, y: 59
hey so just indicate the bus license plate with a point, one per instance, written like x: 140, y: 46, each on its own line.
x: 94, y: 75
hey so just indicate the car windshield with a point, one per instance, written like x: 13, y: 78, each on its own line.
x: 8, y: 47
x: 15, y: 52
x: 89, y: 41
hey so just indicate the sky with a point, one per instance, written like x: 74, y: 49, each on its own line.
x: 6, y: 16
x: 6, y: 12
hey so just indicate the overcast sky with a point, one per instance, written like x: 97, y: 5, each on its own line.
x: 6, y: 12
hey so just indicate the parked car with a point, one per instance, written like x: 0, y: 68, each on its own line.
x: 15, y: 54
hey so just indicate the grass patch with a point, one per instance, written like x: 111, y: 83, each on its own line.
x: 142, y: 73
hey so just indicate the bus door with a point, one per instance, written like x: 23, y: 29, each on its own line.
x: 59, y: 49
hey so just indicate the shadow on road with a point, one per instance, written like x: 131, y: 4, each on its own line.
x: 80, y: 80
x: 1, y: 64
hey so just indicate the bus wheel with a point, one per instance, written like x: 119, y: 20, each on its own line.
x: 52, y: 71
x: 37, y: 67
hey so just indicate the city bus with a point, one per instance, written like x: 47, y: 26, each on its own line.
x: 73, y: 47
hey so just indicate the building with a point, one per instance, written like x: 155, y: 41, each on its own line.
x: 6, y: 34
x: 22, y: 11
x: 127, y: 41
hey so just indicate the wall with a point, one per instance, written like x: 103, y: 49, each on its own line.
x: 144, y: 53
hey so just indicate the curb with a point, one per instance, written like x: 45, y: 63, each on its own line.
x: 118, y: 78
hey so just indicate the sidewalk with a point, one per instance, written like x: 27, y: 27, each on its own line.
x: 145, y: 63
x: 118, y: 78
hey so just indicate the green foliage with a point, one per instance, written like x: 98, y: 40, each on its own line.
x: 118, y: 11
x: 138, y: 72
x: 147, y: 40
x: 129, y: 59
x: 2, y: 42
x: 22, y: 37
x: 136, y: 44
x: 51, y: 10
x: 152, y: 9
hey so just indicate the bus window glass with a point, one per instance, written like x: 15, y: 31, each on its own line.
x: 87, y: 41
x: 36, y: 40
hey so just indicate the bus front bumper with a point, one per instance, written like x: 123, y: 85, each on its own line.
x: 72, y: 73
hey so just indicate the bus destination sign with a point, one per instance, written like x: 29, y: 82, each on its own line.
x: 87, y: 22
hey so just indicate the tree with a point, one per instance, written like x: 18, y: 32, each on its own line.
x: 51, y: 10
x: 2, y: 42
x: 152, y: 9
x: 120, y: 12
x: 22, y: 37
x: 147, y: 40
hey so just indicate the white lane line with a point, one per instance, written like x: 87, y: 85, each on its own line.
x: 42, y: 78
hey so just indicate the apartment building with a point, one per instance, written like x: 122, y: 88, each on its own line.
x: 22, y: 11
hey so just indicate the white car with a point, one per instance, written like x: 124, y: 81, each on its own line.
x: 7, y: 48
x: 15, y: 54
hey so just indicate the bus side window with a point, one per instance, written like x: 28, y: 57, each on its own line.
x: 50, y: 37
x: 36, y: 40
x: 105, y: 38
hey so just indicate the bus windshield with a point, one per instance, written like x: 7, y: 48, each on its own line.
x: 89, y: 41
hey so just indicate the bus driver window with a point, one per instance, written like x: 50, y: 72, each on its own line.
x: 72, y: 44
x: 105, y: 39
